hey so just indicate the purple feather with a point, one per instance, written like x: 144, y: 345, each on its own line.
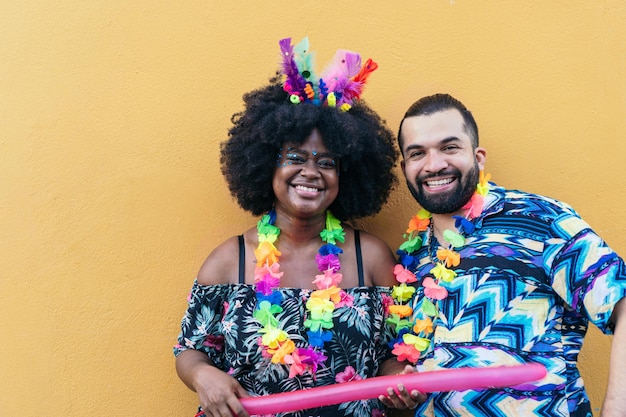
x: 294, y: 82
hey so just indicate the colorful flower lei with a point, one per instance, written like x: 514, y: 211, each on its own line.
x: 275, y: 341
x: 414, y: 330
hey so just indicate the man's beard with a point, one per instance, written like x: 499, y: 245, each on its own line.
x: 449, y: 202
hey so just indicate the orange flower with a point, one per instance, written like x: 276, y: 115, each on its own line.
x: 449, y: 257
x: 332, y: 294
x: 401, y: 310
x: 266, y: 252
x: 425, y: 326
x: 417, y: 224
x: 285, y: 348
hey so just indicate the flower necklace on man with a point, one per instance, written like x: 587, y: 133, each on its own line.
x: 414, y: 329
x: 275, y: 342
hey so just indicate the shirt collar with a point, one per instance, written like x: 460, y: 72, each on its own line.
x: 494, y: 203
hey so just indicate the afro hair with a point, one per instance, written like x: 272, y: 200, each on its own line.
x: 359, y: 139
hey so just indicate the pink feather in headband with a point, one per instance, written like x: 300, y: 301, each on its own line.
x: 345, y: 65
x: 340, y: 84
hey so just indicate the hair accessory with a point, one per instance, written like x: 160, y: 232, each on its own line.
x: 339, y: 85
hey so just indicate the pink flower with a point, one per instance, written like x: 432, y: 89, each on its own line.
x: 348, y: 374
x: 329, y: 279
x: 474, y: 206
x: 403, y: 275
x: 346, y: 300
x: 406, y: 352
x: 297, y: 367
x: 264, y: 353
x: 434, y: 291
x: 216, y: 342
x: 272, y: 270
x: 387, y: 301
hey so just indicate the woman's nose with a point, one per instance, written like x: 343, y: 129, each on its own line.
x: 310, y: 168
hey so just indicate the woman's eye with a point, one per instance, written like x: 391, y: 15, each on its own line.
x: 295, y: 158
x: 326, y: 163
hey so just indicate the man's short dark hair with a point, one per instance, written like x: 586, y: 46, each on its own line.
x: 437, y: 103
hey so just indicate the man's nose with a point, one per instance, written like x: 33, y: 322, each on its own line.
x: 435, y: 162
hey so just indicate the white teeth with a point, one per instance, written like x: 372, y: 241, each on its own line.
x: 439, y: 183
x: 303, y: 188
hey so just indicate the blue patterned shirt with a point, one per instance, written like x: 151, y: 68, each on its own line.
x: 532, y: 276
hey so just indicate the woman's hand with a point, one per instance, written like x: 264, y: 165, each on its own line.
x: 219, y: 393
x: 405, y: 399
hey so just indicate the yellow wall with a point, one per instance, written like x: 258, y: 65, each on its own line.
x: 111, y: 113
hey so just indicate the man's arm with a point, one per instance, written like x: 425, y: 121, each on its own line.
x: 615, y: 399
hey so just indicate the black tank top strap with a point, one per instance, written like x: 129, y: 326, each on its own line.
x: 359, y: 257
x: 242, y: 260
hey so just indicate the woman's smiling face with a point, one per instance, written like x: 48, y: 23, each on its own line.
x: 306, y: 180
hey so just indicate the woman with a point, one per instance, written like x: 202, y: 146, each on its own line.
x: 298, y: 301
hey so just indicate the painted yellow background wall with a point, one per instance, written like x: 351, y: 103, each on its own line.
x: 111, y: 113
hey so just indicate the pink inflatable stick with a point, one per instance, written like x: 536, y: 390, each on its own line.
x: 434, y: 381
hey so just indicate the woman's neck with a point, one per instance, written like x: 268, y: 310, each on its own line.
x: 300, y: 231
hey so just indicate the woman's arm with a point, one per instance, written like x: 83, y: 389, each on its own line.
x: 218, y: 392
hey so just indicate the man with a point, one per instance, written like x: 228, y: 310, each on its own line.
x: 531, y: 276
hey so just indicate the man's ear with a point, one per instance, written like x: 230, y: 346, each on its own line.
x: 481, y: 157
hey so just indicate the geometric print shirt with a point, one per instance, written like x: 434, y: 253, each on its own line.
x: 532, y: 276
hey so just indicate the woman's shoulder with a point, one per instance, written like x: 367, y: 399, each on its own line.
x: 222, y: 264
x: 369, y: 239
x: 378, y: 259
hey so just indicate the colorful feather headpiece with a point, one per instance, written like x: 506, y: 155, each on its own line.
x: 339, y: 85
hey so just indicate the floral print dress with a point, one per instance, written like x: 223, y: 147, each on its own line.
x: 219, y: 321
